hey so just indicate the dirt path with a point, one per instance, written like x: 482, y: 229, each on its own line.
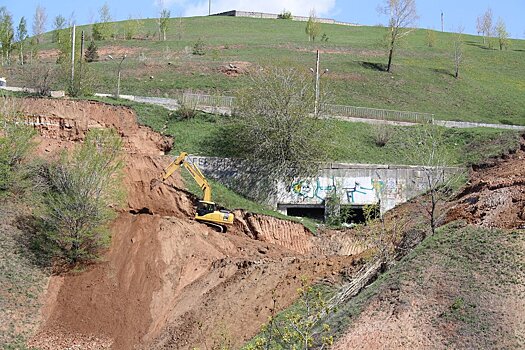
x: 167, y: 281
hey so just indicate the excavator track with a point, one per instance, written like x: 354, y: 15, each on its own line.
x: 216, y: 227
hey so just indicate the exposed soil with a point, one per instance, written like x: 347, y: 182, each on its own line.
x: 465, y: 288
x: 167, y: 281
x: 495, y: 196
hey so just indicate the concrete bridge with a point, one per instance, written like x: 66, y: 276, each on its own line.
x: 355, y: 185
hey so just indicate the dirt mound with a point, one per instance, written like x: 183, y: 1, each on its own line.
x: 495, y: 196
x: 61, y: 122
x: 167, y: 281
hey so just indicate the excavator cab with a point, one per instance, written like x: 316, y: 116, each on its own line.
x: 207, y: 212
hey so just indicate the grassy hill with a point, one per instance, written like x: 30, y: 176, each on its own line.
x: 490, y: 89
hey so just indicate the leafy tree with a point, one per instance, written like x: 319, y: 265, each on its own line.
x: 15, y: 146
x: 39, y: 23
x: 430, y: 37
x: 313, y: 27
x: 285, y: 14
x: 301, y: 327
x: 503, y: 35
x: 7, y: 34
x: 402, y: 17
x: 21, y: 35
x: 82, y: 187
x: 131, y: 27
x: 58, y: 25
x: 275, y: 131
x: 102, y: 30
x: 91, y: 52
x: 163, y: 23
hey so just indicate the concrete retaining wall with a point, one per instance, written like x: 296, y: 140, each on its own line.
x: 354, y: 184
x: 250, y: 14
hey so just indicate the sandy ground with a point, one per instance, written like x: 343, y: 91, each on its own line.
x: 167, y: 281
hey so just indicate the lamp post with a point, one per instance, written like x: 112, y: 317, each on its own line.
x: 317, y: 82
x: 118, y: 80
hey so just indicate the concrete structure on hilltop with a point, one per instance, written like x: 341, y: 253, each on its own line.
x: 235, y: 13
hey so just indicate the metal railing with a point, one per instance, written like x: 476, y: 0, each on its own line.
x: 379, y: 114
x: 218, y: 101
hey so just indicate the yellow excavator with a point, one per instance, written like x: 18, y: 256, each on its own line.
x: 207, y: 212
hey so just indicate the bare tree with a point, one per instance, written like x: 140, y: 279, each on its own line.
x: 458, y: 51
x: 479, y: 26
x: 163, y: 23
x: 179, y: 27
x: 402, y: 17
x: 503, y: 35
x: 39, y: 22
x: 486, y: 26
x: 434, y: 156
x: 313, y: 27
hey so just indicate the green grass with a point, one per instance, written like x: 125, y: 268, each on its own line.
x: 350, y: 142
x: 490, y: 89
x: 478, y: 263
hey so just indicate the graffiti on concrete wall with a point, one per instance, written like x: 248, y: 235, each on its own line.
x: 360, y: 190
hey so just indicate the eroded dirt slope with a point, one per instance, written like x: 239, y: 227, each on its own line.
x: 167, y: 281
x: 495, y: 196
x: 465, y: 288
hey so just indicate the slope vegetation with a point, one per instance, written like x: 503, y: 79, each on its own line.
x: 490, y: 88
x: 462, y: 288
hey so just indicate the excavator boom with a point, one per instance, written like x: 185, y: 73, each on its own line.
x: 206, y: 211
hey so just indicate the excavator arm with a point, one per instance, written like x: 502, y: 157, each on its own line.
x: 206, y: 209
x: 195, y: 172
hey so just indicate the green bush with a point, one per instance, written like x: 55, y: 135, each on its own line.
x: 15, y: 146
x: 81, y: 189
x: 198, y: 48
x: 285, y: 15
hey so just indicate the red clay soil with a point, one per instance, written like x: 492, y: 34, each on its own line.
x: 166, y: 281
x: 495, y: 195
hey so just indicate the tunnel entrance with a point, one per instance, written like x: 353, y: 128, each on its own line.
x: 348, y: 214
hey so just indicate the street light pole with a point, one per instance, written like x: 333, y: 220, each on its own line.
x: 118, y: 81
x: 316, y: 103
x: 209, y: 7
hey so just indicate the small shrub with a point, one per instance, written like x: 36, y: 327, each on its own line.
x: 325, y: 38
x: 91, y: 52
x: 382, y: 134
x: 198, y: 48
x: 184, y: 112
x: 285, y: 15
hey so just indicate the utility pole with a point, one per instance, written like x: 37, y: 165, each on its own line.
x: 442, y: 22
x: 73, y: 55
x: 316, y: 107
x: 81, y: 60
x: 118, y: 81
x: 209, y: 7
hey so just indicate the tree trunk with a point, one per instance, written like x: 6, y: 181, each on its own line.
x: 390, y: 54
